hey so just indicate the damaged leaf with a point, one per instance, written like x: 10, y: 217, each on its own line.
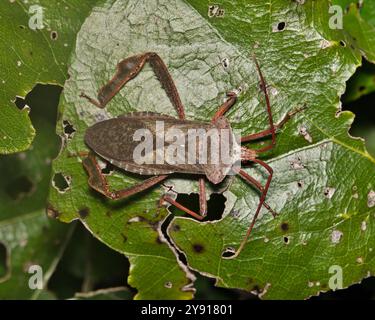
x: 33, y: 242
x: 27, y: 236
x: 304, y: 63
x: 31, y: 54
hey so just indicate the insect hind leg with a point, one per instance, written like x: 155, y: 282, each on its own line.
x: 260, y: 204
x: 180, y: 206
x: 259, y: 187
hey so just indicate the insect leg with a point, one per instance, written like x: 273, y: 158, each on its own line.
x: 98, y: 181
x: 261, y: 201
x: 202, y: 198
x: 129, y: 68
x: 166, y: 81
x: 80, y: 154
x: 265, y: 133
x: 232, y: 98
x: 272, y: 130
x: 181, y: 207
x: 257, y: 185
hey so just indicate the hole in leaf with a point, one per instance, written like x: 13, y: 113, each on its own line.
x: 329, y: 192
x: 108, y: 168
x: 54, y: 35
x: 281, y: 26
x: 20, y: 103
x: 342, y: 43
x: 32, y: 168
x: 19, y: 188
x: 228, y: 252
x: 3, y: 260
x: 286, y: 240
x: 225, y: 63
x: 68, y: 129
x: 61, y: 182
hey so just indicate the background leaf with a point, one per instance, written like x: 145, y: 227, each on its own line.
x: 83, y: 270
x: 108, y: 294
x: 30, y: 239
x: 359, y: 23
x: 33, y: 56
x: 27, y: 236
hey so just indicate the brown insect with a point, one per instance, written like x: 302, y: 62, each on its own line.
x: 112, y: 140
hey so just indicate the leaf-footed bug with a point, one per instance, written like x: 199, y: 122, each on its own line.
x: 112, y: 140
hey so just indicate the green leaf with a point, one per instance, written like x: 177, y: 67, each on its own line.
x: 16, y: 130
x: 27, y: 236
x: 322, y: 177
x: 84, y: 267
x: 359, y: 23
x: 324, y: 221
x: 30, y: 239
x: 25, y: 188
x: 31, y: 57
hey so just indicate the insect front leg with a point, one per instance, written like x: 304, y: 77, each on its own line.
x: 272, y: 130
x: 129, y: 68
x: 232, y: 98
x: 268, y: 132
x: 98, y: 181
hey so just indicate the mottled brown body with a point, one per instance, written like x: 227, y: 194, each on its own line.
x: 113, y: 140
